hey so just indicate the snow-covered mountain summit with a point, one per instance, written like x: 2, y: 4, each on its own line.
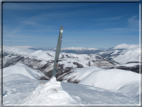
x: 126, y: 46
x: 123, y: 53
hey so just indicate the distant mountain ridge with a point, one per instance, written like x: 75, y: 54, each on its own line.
x: 80, y: 50
x: 125, y: 46
x: 116, y: 57
x: 122, y: 53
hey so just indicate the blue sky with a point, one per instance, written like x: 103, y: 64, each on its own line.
x: 94, y: 25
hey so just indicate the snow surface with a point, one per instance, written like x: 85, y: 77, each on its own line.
x: 123, y: 53
x: 21, y: 69
x: 60, y: 93
x: 27, y: 52
x: 22, y: 90
x: 18, y: 82
x: 115, y: 80
x: 51, y: 93
x: 125, y: 46
x: 128, y: 55
x: 41, y: 55
x: 17, y: 87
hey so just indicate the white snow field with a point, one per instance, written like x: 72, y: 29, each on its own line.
x: 116, y: 80
x: 21, y: 69
x: 60, y: 93
x: 25, y: 89
x: 18, y: 81
x: 124, y: 53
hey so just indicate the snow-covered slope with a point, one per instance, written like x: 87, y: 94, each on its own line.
x: 18, y: 81
x: 27, y: 52
x: 23, y: 70
x: 17, y: 87
x: 123, y: 53
x: 129, y: 53
x: 125, y: 46
x: 112, y: 79
x: 43, y: 60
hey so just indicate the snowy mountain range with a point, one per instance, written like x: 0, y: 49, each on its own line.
x: 113, y: 72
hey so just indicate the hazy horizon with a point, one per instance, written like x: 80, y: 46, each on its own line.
x: 69, y: 47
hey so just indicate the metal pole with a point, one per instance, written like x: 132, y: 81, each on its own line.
x: 57, y: 52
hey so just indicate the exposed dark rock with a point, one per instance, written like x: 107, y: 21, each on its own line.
x: 98, y: 57
x: 134, y: 68
x: 67, y: 56
x: 73, y: 81
x: 44, y: 78
x: 13, y: 61
x: 133, y: 62
x: 50, y: 55
x: 78, y: 65
x: 62, y: 74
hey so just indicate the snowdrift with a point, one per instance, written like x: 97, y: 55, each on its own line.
x: 60, y: 93
x: 49, y: 93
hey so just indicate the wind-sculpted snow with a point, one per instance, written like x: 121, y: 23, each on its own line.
x: 49, y: 93
x: 125, y: 82
x: 60, y: 93
x: 17, y: 87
